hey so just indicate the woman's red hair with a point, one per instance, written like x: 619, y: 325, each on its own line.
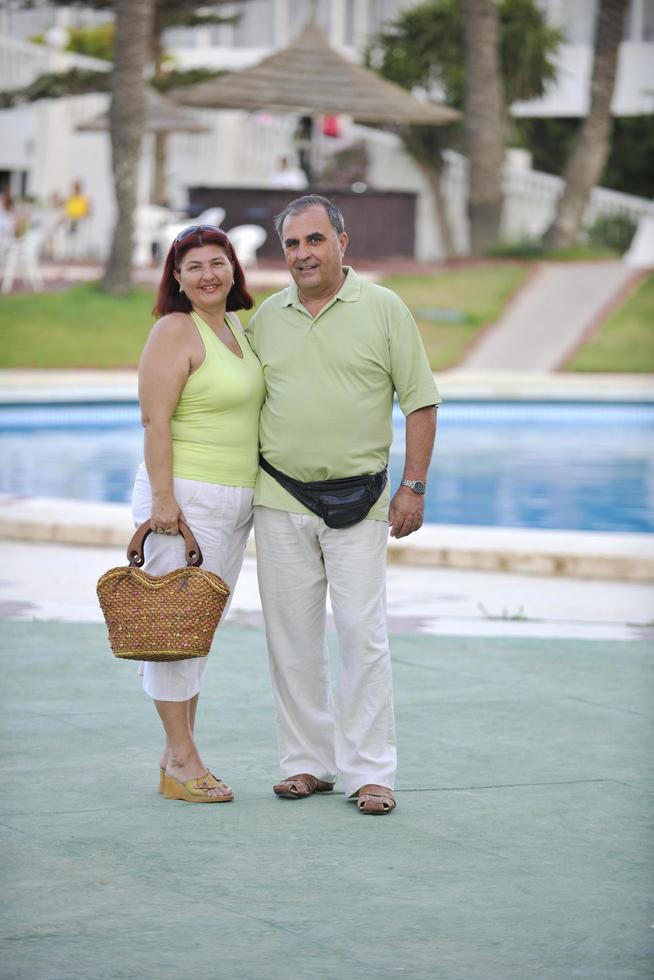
x: 170, y: 300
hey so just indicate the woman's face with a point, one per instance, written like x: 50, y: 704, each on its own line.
x: 206, y: 276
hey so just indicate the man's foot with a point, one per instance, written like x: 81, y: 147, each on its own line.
x: 375, y: 800
x: 297, y: 787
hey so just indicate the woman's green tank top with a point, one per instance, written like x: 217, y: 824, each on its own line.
x: 215, y: 426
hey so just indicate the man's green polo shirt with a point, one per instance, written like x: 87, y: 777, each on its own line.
x: 330, y: 384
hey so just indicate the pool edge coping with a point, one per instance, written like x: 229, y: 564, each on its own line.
x: 54, y: 385
x: 612, y: 556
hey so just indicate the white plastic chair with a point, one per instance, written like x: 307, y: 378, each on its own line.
x: 53, y: 223
x: 24, y: 253
x: 212, y: 216
x: 246, y: 239
x: 149, y: 220
x: 7, y: 235
x: 167, y: 233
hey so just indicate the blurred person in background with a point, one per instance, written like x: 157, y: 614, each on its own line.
x: 77, y: 208
x: 287, y: 176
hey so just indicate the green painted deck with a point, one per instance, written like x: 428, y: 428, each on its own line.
x: 520, y: 848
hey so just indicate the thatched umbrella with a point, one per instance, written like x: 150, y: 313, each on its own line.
x: 161, y: 116
x: 310, y: 78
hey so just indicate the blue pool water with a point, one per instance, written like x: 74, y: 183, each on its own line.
x: 585, y: 466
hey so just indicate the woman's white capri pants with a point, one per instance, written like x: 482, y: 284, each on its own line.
x: 220, y: 518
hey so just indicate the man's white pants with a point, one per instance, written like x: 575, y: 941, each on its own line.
x: 349, y: 732
x: 220, y: 518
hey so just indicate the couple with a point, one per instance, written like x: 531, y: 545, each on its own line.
x: 311, y: 382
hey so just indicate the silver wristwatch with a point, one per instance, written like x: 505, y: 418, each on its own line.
x: 416, y: 485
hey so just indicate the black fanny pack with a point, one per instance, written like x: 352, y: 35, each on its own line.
x: 340, y: 503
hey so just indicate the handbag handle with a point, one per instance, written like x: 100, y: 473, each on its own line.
x: 135, y: 555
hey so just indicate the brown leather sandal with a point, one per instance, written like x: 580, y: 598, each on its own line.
x: 304, y: 784
x: 375, y: 800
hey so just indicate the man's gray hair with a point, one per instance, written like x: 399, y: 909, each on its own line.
x: 303, y: 204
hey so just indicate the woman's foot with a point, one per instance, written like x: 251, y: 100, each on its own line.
x: 206, y: 789
x: 163, y: 762
x: 183, y: 771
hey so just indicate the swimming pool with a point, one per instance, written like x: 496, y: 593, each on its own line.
x: 584, y: 466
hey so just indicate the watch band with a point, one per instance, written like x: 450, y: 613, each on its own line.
x: 416, y: 485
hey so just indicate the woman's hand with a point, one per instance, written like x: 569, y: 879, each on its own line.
x: 166, y: 515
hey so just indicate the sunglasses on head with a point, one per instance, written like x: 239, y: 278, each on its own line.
x: 192, y: 231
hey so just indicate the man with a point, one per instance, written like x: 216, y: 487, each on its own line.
x: 333, y: 350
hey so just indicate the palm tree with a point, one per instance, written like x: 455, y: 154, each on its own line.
x: 166, y: 14
x: 425, y: 48
x: 126, y: 115
x: 591, y: 149
x: 484, y: 121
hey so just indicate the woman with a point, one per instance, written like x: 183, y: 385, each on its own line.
x: 200, y: 389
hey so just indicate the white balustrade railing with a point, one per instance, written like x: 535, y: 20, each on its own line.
x: 530, y: 199
x: 21, y: 62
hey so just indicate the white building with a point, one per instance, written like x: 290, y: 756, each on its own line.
x: 42, y: 153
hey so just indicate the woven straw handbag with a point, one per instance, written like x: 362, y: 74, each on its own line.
x: 161, y: 617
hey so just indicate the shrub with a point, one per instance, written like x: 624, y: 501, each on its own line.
x: 612, y: 231
x: 525, y: 248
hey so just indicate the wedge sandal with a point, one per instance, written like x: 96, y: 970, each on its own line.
x: 197, y: 790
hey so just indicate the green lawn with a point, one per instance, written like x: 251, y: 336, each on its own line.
x: 83, y: 327
x: 80, y: 327
x: 625, y: 342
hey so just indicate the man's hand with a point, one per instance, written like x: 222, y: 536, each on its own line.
x: 406, y: 512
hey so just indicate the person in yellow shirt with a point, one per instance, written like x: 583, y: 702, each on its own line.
x: 77, y: 207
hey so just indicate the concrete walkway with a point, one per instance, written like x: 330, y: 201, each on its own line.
x: 57, y: 582
x: 550, y: 316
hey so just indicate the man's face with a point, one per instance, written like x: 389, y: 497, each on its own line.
x: 314, y: 252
